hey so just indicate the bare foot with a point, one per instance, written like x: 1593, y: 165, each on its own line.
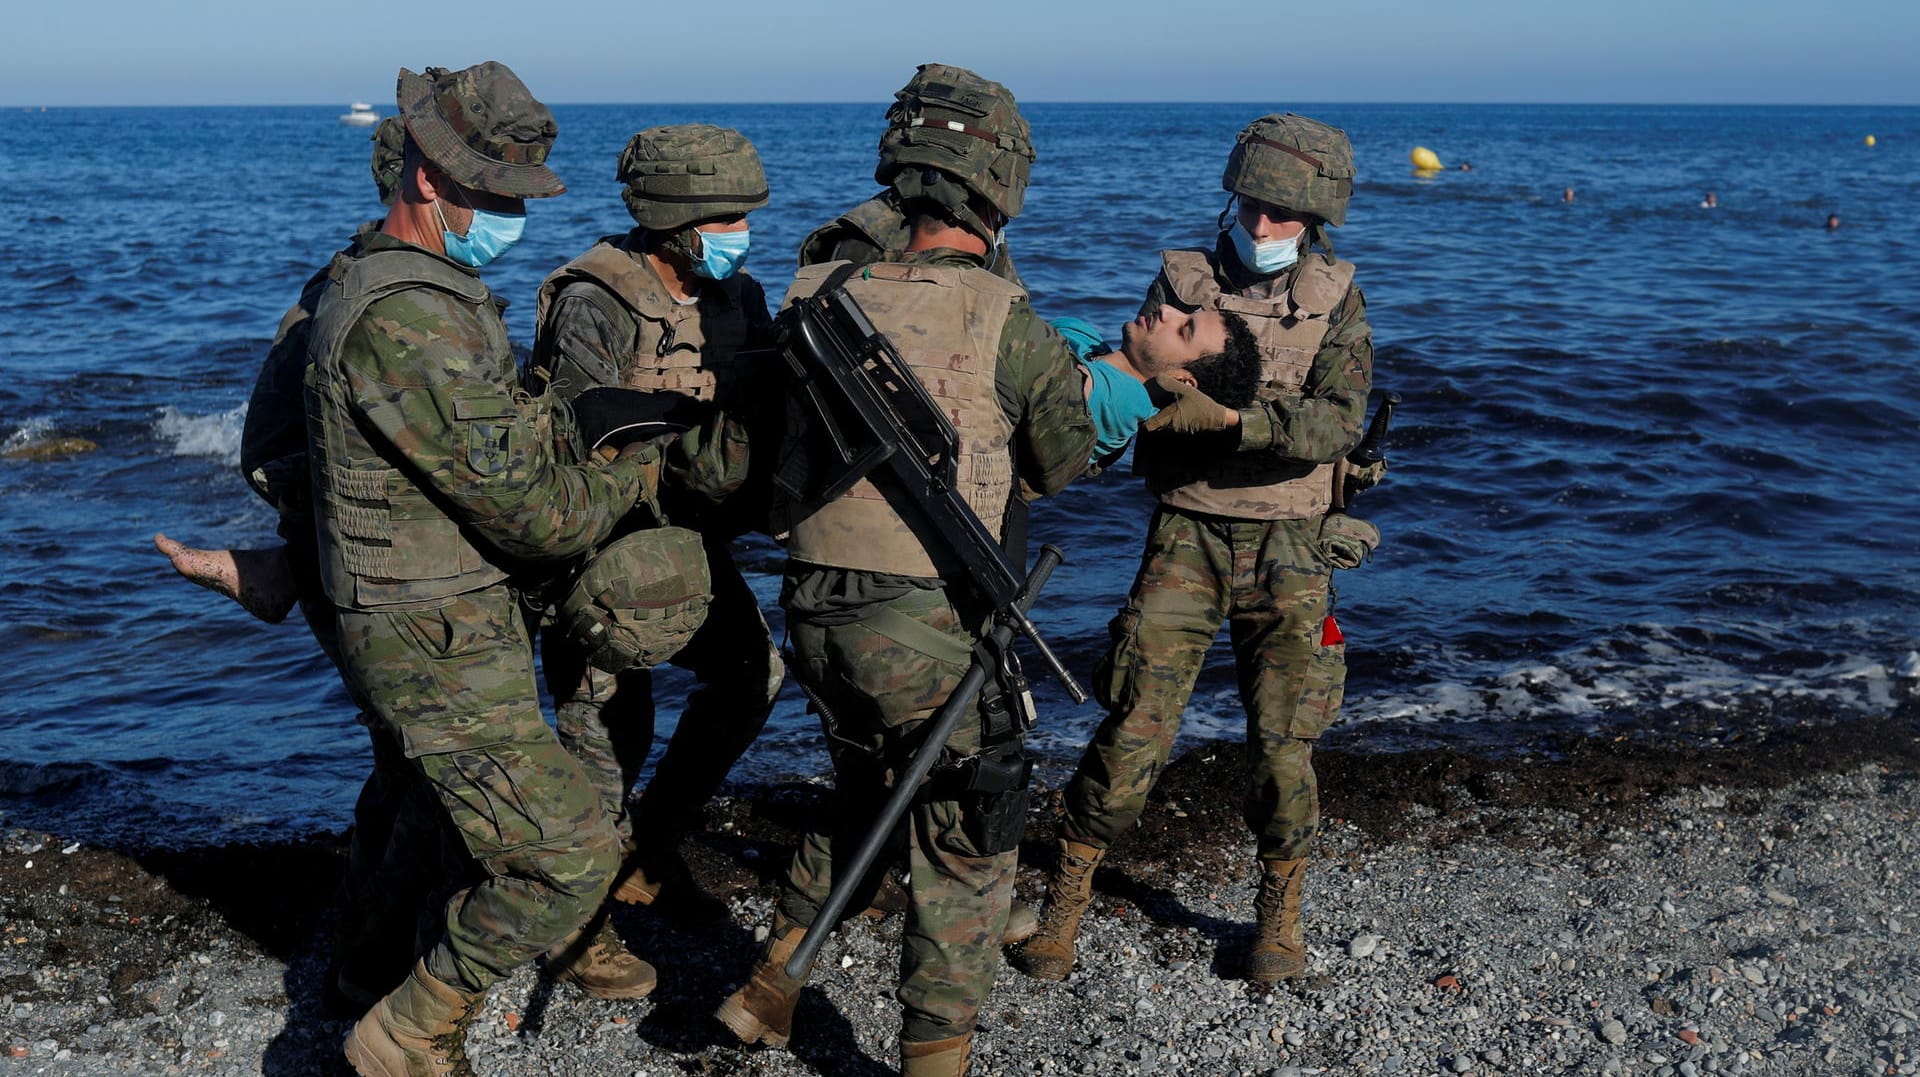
x: 260, y: 580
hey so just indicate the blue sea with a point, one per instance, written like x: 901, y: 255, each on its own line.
x: 1654, y: 472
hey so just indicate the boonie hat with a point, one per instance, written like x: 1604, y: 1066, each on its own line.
x: 482, y: 127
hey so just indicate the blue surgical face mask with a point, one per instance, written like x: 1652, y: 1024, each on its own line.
x: 723, y: 253
x: 1263, y: 258
x: 488, y: 236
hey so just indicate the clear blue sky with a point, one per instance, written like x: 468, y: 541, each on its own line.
x: 120, y: 52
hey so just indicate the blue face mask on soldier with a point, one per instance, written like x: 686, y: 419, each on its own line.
x: 723, y: 253
x: 488, y: 236
x: 1269, y: 257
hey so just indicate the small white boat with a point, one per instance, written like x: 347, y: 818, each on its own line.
x: 361, y: 114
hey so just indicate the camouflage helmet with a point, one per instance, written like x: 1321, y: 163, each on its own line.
x: 389, y: 150
x: 639, y: 600
x: 1295, y: 163
x: 482, y: 127
x: 689, y: 172
x: 968, y: 127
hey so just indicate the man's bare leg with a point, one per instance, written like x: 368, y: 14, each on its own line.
x: 260, y: 580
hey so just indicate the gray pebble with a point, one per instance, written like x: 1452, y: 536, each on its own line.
x: 1363, y: 945
x: 1613, y: 1032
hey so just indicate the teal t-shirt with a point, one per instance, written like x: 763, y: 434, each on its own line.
x: 1119, y: 405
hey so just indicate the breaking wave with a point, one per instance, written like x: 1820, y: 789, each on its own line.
x: 202, y: 435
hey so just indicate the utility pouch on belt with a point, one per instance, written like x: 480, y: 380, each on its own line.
x: 1347, y: 541
x: 994, y: 793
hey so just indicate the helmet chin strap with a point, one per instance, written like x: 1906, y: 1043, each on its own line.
x: 938, y: 187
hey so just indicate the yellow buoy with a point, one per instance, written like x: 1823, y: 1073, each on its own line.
x: 1425, y: 159
x: 1870, y: 140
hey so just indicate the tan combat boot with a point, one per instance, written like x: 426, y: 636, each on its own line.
x: 762, y: 1010
x: 602, y: 967
x: 1048, y: 955
x: 1022, y: 924
x: 417, y: 1031
x: 661, y: 880
x: 1280, y: 950
x: 936, y: 1058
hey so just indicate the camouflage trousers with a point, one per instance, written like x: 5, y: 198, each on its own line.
x: 394, y: 855
x: 876, y: 692
x: 453, y: 686
x: 1270, y: 583
x: 607, y: 721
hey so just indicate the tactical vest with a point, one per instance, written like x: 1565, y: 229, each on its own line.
x: 383, y: 541
x: 946, y: 324
x: 685, y: 348
x: 1261, y: 484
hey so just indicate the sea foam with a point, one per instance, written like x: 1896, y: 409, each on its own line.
x: 201, y: 435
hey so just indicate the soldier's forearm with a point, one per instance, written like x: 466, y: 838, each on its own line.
x: 1313, y: 429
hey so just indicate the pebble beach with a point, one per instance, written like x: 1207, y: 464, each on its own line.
x: 1602, y: 907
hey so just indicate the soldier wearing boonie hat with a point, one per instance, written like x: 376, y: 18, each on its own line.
x: 482, y: 128
x: 434, y: 479
x: 369, y: 955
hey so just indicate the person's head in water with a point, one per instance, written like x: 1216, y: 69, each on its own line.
x: 1566, y: 195
x: 1833, y: 221
x: 1710, y: 201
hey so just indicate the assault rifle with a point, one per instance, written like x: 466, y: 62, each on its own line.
x: 865, y: 410
x: 868, y: 409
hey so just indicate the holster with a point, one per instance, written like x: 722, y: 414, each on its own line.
x: 992, y: 785
x: 992, y: 788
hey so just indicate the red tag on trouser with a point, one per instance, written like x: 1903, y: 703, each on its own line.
x: 1330, y: 633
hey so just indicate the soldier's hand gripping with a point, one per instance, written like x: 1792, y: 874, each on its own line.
x: 1190, y: 411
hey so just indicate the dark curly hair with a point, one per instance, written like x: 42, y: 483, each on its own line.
x: 1231, y: 376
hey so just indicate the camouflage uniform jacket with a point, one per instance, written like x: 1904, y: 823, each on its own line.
x: 434, y: 473
x: 869, y: 230
x: 1041, y: 390
x: 1324, y: 421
